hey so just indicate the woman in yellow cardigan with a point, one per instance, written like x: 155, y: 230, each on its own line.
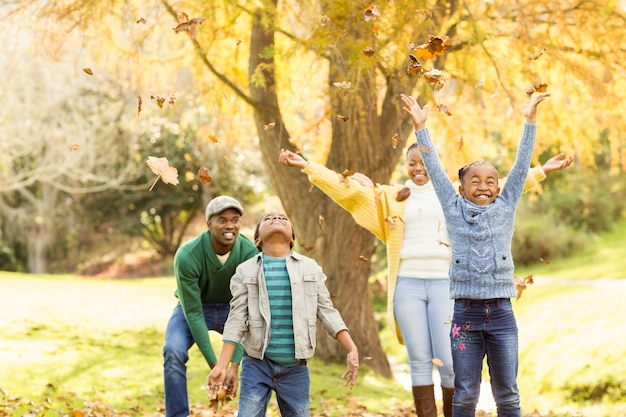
x: 409, y: 220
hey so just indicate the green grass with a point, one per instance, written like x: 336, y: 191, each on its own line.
x: 67, y: 342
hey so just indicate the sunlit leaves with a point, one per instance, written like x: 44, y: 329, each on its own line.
x: 521, y: 284
x: 188, y: 25
x: 161, y: 167
x: 204, y: 175
x: 371, y: 12
x: 88, y: 71
x: 434, y: 46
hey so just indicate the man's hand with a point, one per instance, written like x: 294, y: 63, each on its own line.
x: 215, y: 380
x: 557, y: 163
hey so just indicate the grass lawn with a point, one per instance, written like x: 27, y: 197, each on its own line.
x: 94, y: 345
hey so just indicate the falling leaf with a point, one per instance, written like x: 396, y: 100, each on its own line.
x: 444, y: 109
x: 204, y: 175
x: 343, y: 85
x: 324, y: 20
x: 543, y: 261
x: 346, y: 174
x: 536, y: 54
x: 88, y: 71
x: 269, y: 126
x: 540, y: 87
x: 437, y: 362
x: 73, y: 146
x: 460, y: 143
x: 449, y: 321
x: 435, y: 45
x: 442, y: 243
x: 190, y: 26
x: 238, y: 42
x: 434, y: 77
x: 343, y: 118
x: 426, y: 14
x: 363, y: 258
x: 159, y: 100
x: 423, y: 149
x: 371, y: 12
x: 220, y: 399
x: 369, y: 51
x: 139, y: 102
x: 172, y: 99
x: 414, y: 67
x: 214, y: 139
x: 305, y: 247
x: 394, y: 141
x: 495, y: 93
x: 320, y: 222
x: 522, y: 283
x: 141, y: 20
x: 480, y: 83
x: 376, y: 30
x: 161, y: 167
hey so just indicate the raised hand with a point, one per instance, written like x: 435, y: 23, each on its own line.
x: 530, y: 111
x: 292, y: 159
x: 417, y: 113
x: 557, y: 163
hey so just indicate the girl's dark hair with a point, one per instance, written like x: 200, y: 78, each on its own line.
x: 464, y: 169
x: 413, y: 146
x: 256, y: 235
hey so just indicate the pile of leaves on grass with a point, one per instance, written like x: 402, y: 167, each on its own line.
x: 62, y: 406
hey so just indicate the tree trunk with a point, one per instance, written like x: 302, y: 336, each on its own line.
x: 336, y: 242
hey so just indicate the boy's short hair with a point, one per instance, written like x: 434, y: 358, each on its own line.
x: 258, y: 226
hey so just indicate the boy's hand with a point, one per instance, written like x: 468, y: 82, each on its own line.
x: 352, y: 369
x: 215, y: 380
x: 231, y: 382
x: 417, y: 113
x: 292, y: 159
x: 530, y: 111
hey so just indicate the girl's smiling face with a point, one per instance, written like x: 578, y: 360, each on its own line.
x: 480, y: 184
x: 415, y: 167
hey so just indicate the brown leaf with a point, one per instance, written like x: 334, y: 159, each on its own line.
x: 161, y: 167
x: 394, y: 141
x: 269, y: 126
x: 141, y: 20
x: 537, y: 54
x: 426, y: 14
x: 435, y: 45
x: 320, y: 222
x: 324, y: 20
x: 73, y: 146
x: 88, y: 71
x: 363, y: 258
x: 522, y: 283
x: 434, y: 77
x: 343, y: 85
x: 204, y: 175
x: 369, y: 51
x: 437, y: 362
x: 371, y: 12
x: 213, y: 139
x: 159, y: 100
x: 460, y: 143
x: 190, y: 26
x: 414, y: 67
x: 423, y: 149
x: 139, y: 102
x: 305, y: 247
x: 444, y: 109
x: 343, y: 118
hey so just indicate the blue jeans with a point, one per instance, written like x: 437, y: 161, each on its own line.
x: 423, y: 310
x: 479, y: 328
x: 178, y: 341
x: 260, y: 377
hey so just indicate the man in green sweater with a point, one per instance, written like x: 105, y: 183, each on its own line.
x: 203, y: 267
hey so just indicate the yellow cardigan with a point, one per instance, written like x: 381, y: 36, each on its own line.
x: 376, y: 209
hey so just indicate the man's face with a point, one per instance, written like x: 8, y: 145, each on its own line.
x: 224, y: 229
x: 480, y: 185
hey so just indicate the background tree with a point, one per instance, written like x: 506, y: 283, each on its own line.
x: 297, y: 51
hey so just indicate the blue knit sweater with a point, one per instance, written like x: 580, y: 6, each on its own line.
x: 481, y: 265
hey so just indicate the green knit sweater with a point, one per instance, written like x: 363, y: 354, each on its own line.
x: 202, y: 279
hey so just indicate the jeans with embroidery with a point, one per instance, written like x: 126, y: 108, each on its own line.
x: 178, y: 341
x: 259, y: 377
x: 484, y: 328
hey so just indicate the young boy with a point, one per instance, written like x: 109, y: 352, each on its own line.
x: 480, y: 224
x: 278, y: 296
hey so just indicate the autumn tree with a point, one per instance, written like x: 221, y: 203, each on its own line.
x: 326, y: 76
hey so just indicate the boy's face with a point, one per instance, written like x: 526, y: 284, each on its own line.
x: 480, y: 185
x: 275, y: 223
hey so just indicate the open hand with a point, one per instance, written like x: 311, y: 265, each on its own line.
x: 530, y: 111
x: 557, y: 163
x: 417, y: 113
x: 352, y: 369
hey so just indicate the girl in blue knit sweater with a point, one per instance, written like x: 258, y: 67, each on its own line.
x: 480, y: 224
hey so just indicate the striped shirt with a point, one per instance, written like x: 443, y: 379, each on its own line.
x: 281, y: 348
